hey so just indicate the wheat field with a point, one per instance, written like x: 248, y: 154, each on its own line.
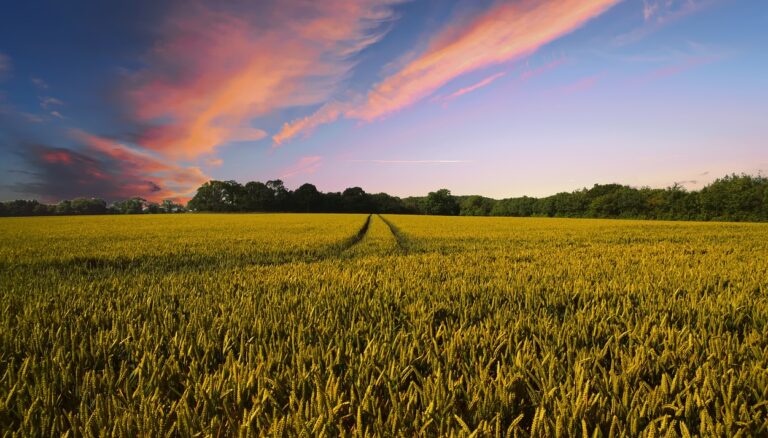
x: 358, y: 325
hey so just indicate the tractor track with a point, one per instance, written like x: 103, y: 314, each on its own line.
x: 402, y: 241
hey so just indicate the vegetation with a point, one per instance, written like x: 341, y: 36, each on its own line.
x: 732, y: 198
x: 90, y: 206
x: 353, y: 325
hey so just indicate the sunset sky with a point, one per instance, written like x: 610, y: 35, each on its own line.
x: 114, y: 99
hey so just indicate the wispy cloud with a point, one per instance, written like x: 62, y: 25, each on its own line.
x: 659, y: 13
x: 502, y: 33
x: 676, y: 68
x: 462, y: 91
x: 582, y: 84
x: 39, y: 83
x: 214, y: 71
x: 47, y: 103
x: 328, y: 113
x: 530, y: 73
x: 31, y: 118
x: 409, y: 161
x: 305, y: 166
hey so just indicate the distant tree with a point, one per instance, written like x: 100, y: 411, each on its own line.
x: 355, y: 200
x: 88, y: 206
x: 64, y: 207
x: 130, y: 206
x: 475, y: 206
x: 333, y: 202
x: 219, y: 196
x: 441, y: 202
x: 306, y: 198
x: 168, y: 206
x: 734, y: 197
x: 384, y: 203
x: 259, y: 197
x: 280, y: 195
x: 523, y: 207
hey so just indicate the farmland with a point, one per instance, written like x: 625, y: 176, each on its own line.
x: 358, y: 325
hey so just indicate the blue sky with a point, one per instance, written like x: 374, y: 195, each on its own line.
x: 500, y: 98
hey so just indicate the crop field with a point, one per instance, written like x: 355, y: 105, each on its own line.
x: 358, y: 325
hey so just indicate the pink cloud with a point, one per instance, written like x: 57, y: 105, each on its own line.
x: 305, y: 166
x: 57, y: 156
x: 328, y: 113
x: 505, y: 32
x: 214, y: 71
x: 485, y: 82
x: 137, y: 172
x: 530, y: 73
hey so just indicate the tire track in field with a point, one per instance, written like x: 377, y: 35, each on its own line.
x: 354, y: 240
x: 402, y: 241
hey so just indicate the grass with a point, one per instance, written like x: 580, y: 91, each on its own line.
x: 354, y: 325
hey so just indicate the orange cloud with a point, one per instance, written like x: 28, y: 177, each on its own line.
x: 215, y: 71
x: 328, y: 113
x: 138, y: 173
x: 504, y: 32
x: 216, y: 162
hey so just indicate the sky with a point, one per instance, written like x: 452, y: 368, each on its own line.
x: 498, y: 98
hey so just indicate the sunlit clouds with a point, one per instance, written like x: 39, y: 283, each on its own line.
x: 505, y: 32
x: 493, y: 97
x: 215, y: 71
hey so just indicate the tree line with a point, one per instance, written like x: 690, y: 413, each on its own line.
x: 731, y: 198
x: 80, y: 206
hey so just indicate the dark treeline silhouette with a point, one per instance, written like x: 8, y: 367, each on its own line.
x: 231, y: 196
x: 732, y: 198
x: 80, y: 206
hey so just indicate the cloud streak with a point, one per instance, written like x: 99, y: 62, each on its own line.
x: 305, y: 166
x: 504, y: 32
x: 216, y: 70
x: 483, y: 83
x: 409, y: 161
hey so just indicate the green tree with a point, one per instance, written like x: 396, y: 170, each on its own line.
x: 306, y: 198
x: 441, y: 202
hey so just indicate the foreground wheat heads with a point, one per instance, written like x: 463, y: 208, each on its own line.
x: 357, y: 325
